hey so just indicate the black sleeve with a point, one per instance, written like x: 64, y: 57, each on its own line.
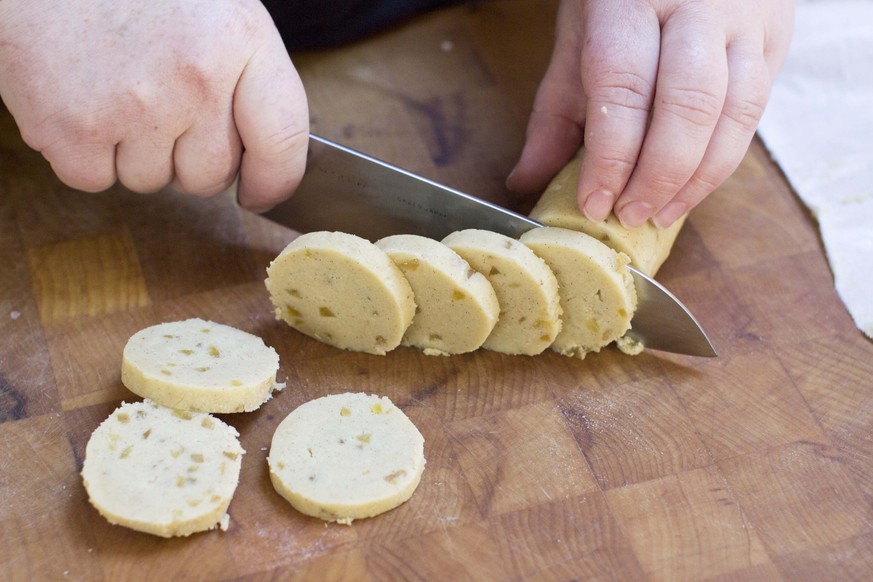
x: 311, y: 24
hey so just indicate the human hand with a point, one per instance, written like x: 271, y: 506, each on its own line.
x: 668, y: 94
x: 167, y: 92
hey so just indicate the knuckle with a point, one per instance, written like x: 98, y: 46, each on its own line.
x: 695, y: 105
x: 288, y: 141
x: 613, y: 162
x: 667, y: 180
x: 627, y: 90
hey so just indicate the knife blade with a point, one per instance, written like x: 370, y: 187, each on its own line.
x: 349, y: 191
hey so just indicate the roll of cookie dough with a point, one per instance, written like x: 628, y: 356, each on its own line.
x: 647, y: 246
x: 341, y: 290
x: 527, y: 291
x: 597, y: 291
x: 456, y: 307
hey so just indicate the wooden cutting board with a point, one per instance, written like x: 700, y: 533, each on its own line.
x: 754, y: 465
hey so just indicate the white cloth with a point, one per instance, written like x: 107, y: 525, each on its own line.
x: 819, y: 129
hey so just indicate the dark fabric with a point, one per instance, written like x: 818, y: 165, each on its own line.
x: 312, y: 24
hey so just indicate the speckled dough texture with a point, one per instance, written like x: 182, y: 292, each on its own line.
x: 456, y: 305
x: 346, y: 456
x: 647, y: 246
x: 341, y: 290
x: 527, y: 291
x: 597, y: 290
x: 162, y: 471
x: 201, y: 366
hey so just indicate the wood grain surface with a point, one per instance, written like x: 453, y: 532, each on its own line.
x: 756, y: 465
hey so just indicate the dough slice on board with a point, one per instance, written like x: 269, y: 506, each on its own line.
x: 346, y: 456
x: 647, y: 246
x: 456, y: 305
x: 341, y: 290
x: 527, y: 291
x: 597, y: 291
x: 162, y: 471
x: 200, y: 365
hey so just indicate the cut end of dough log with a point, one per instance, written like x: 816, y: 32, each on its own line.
x: 647, y: 246
x: 597, y: 292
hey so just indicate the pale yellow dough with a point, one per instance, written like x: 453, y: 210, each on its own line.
x: 456, y: 305
x: 346, y: 456
x: 162, y: 471
x: 341, y: 290
x: 647, y: 246
x: 200, y: 365
x: 527, y: 291
x: 597, y: 290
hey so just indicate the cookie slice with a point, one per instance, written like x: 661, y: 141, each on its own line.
x: 200, y: 366
x: 346, y: 456
x: 527, y: 291
x: 162, y: 471
x: 597, y: 291
x: 456, y: 305
x: 647, y: 246
x: 341, y: 290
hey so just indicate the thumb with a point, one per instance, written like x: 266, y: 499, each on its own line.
x: 272, y: 118
x: 555, y: 127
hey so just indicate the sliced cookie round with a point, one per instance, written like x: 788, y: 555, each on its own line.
x: 162, y: 471
x: 527, y: 291
x: 597, y: 290
x: 346, y: 456
x: 456, y: 307
x: 200, y: 365
x: 341, y: 290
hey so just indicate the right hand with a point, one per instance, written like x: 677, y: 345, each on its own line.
x: 184, y: 93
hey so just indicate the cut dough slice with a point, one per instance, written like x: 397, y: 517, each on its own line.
x: 346, y: 456
x: 456, y: 305
x: 200, y: 365
x: 647, y: 246
x: 597, y: 291
x: 162, y: 471
x: 527, y: 292
x: 341, y: 290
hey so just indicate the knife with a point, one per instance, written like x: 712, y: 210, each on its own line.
x: 345, y: 190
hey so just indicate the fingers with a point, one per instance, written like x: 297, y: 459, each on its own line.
x: 86, y: 167
x: 272, y: 118
x: 554, y: 130
x: 689, y: 97
x: 207, y: 155
x: 144, y: 165
x: 746, y: 97
x: 619, y: 68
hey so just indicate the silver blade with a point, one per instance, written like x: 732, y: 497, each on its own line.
x: 348, y: 191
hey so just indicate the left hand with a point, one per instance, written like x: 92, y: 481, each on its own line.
x: 667, y: 95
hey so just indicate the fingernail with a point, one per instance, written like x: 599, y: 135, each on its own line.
x: 598, y: 205
x: 670, y: 214
x: 635, y: 214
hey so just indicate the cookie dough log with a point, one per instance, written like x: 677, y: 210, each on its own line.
x: 341, y: 290
x: 597, y: 291
x: 200, y: 366
x: 456, y: 307
x: 647, y: 246
x: 346, y: 456
x: 527, y: 291
x: 162, y: 471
